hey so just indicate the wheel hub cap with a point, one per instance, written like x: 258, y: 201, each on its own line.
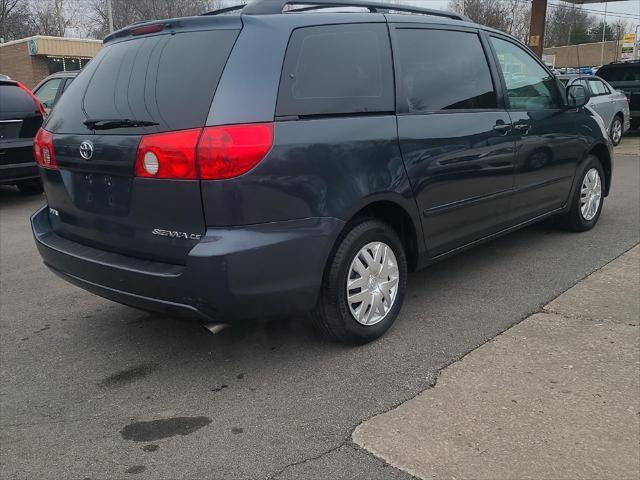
x: 590, y: 194
x: 372, y: 283
x: 617, y: 130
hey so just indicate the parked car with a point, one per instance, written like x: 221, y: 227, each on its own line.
x: 625, y: 76
x: 608, y: 102
x: 49, y: 90
x: 311, y: 162
x: 20, y: 118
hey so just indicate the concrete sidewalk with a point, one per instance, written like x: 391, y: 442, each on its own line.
x: 555, y: 397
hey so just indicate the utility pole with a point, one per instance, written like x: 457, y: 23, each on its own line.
x: 110, y: 15
x: 536, y: 29
x: 604, y: 31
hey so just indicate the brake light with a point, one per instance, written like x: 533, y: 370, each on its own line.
x: 143, y: 30
x: 168, y: 155
x: 43, y: 149
x: 212, y: 153
x: 34, y: 98
x: 229, y: 151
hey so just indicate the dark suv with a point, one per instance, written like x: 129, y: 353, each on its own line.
x: 625, y: 76
x: 21, y: 115
x: 290, y: 160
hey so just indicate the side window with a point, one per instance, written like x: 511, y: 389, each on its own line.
x: 47, y: 92
x: 597, y: 87
x: 337, y: 69
x: 529, y: 86
x: 442, y: 70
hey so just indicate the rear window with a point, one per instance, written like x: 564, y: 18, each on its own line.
x: 620, y: 73
x: 15, y: 99
x: 337, y: 69
x: 166, y: 79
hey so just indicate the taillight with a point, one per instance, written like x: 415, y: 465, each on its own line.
x: 43, y: 149
x: 34, y: 98
x: 168, y: 155
x: 212, y: 153
x: 230, y: 151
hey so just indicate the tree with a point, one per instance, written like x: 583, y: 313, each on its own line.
x: 510, y: 16
x: 14, y: 17
x: 567, y: 25
x: 126, y: 12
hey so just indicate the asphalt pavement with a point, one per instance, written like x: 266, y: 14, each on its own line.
x: 93, y: 389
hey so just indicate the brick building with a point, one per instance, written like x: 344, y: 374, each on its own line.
x: 29, y: 60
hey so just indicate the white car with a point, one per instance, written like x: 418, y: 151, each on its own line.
x: 606, y: 101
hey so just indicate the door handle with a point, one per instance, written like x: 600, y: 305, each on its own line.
x: 522, y: 127
x: 503, y: 128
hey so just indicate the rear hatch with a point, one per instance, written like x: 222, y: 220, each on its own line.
x: 20, y: 118
x: 149, y: 80
x: 626, y: 78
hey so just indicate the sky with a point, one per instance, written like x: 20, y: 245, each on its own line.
x: 628, y: 10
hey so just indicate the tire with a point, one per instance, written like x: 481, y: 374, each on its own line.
x: 575, y: 220
x: 334, y: 314
x: 616, y: 130
x: 31, y: 187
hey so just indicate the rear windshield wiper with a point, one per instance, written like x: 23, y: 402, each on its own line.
x: 106, y: 124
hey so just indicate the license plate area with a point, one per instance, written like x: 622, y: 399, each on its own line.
x: 102, y: 194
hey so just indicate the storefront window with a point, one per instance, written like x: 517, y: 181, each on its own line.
x: 65, y: 64
x: 56, y: 64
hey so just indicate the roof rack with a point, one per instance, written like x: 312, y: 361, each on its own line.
x: 266, y: 7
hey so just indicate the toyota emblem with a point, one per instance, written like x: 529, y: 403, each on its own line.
x: 86, y: 150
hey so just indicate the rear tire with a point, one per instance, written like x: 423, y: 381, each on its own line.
x: 370, y: 256
x: 588, y: 199
x: 616, y: 130
x: 31, y: 187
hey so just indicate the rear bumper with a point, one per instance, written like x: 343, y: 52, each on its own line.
x: 233, y: 274
x: 17, y: 172
x: 16, y: 161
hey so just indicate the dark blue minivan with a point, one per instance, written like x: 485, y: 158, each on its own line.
x: 294, y: 158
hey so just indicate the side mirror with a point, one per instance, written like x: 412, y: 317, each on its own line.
x: 577, y: 96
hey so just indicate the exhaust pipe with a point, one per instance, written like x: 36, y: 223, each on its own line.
x: 215, y: 327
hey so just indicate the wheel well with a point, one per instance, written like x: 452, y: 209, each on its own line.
x: 602, y: 152
x: 397, y: 218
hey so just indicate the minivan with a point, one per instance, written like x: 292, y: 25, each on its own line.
x: 286, y: 159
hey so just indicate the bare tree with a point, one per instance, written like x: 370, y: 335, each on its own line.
x: 126, y: 12
x: 510, y: 16
x: 14, y: 17
x: 567, y: 25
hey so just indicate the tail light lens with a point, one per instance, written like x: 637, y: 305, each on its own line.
x: 213, y: 153
x: 229, y: 151
x: 168, y: 155
x: 43, y: 149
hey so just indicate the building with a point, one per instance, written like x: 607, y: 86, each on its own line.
x: 29, y: 60
x: 584, y: 54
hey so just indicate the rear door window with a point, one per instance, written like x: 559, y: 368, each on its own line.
x: 166, y: 79
x: 442, y: 70
x: 597, y: 87
x: 337, y: 69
